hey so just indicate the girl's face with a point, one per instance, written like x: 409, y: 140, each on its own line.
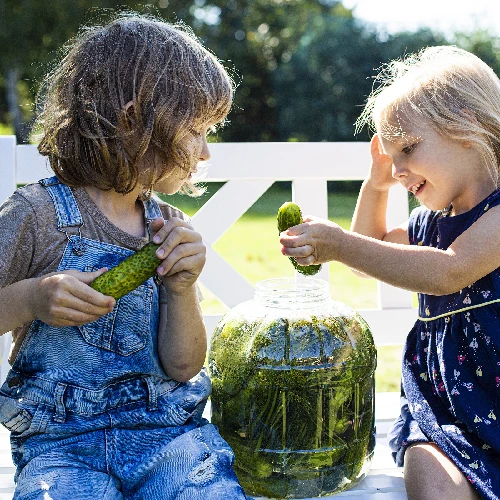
x: 437, y: 170
x: 197, y: 147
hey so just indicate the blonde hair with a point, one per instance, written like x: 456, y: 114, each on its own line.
x: 448, y: 88
x: 174, y: 83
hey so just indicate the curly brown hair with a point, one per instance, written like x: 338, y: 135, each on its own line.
x: 86, y: 121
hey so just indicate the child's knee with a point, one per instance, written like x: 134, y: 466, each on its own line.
x: 430, y: 474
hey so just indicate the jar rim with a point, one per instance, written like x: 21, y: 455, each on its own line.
x: 305, y: 291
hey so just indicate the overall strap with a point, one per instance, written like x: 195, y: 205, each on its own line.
x: 67, y: 211
x: 151, y: 210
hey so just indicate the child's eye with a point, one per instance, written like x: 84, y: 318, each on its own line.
x: 408, y: 149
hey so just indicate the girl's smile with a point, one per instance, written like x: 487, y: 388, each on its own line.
x: 437, y: 170
x: 416, y: 188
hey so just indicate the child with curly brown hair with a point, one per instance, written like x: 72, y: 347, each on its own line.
x: 105, y: 397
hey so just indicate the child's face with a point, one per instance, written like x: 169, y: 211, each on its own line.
x: 197, y: 146
x: 437, y: 170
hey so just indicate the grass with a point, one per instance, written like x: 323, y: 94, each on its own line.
x: 251, y: 246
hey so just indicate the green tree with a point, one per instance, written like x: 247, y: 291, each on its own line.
x: 303, y: 68
x: 256, y: 36
x: 321, y: 90
x: 32, y: 32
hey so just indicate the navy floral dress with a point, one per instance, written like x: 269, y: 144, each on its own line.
x: 451, y: 363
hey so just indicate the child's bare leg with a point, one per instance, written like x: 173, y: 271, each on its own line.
x: 429, y: 475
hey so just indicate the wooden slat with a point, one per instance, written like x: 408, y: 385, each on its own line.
x: 221, y: 211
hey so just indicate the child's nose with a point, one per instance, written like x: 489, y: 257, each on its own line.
x: 399, y: 171
x: 205, y: 152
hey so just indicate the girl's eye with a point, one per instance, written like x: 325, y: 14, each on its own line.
x: 408, y: 149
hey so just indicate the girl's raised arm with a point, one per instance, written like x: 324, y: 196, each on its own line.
x: 473, y: 255
x: 369, y: 216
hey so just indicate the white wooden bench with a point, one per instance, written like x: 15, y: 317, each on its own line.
x: 248, y: 170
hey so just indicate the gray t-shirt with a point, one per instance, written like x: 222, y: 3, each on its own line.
x: 31, y: 245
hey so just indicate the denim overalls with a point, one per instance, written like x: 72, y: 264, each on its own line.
x: 91, y: 412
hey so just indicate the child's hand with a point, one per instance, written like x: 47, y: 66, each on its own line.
x: 314, y: 242
x: 380, y: 177
x: 182, y: 251
x: 65, y: 299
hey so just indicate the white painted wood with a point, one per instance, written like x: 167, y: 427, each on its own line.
x: 388, y: 326
x: 5, y: 344
x: 7, y: 166
x: 30, y: 164
x: 229, y: 286
x: 231, y: 201
x: 289, y: 160
x: 249, y: 169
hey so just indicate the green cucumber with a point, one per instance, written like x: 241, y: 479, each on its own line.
x: 129, y: 274
x: 289, y: 214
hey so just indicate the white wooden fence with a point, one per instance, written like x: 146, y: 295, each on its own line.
x: 248, y: 170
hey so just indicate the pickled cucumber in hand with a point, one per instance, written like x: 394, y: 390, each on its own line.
x: 289, y: 214
x: 129, y: 274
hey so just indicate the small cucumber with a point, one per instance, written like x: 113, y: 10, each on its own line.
x: 289, y: 214
x: 129, y: 274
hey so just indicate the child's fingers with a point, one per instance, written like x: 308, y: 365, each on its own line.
x: 156, y: 224
x: 89, y: 300
x: 63, y: 300
x: 306, y: 261
x: 87, y: 277
x: 174, y: 233
x: 79, y: 289
x: 189, y: 264
x: 375, y: 147
x: 73, y: 316
x: 293, y: 231
x: 186, y: 256
x: 379, y: 156
x: 292, y: 237
x: 299, y: 252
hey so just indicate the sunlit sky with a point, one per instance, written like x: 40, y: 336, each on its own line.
x: 447, y: 16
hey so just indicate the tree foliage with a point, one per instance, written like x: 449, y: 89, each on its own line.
x: 303, y: 68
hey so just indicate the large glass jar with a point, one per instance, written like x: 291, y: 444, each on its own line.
x: 293, y: 390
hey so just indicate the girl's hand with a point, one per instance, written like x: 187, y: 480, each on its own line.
x: 65, y: 299
x: 315, y: 241
x: 182, y: 252
x: 380, y: 177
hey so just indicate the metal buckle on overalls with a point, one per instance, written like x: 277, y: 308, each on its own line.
x: 78, y: 246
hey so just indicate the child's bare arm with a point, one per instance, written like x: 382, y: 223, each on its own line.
x: 59, y: 299
x: 420, y: 269
x: 182, y: 341
x: 371, y: 208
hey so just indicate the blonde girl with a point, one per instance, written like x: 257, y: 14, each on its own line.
x: 436, y: 115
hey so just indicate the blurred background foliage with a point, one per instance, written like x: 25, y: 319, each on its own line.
x: 303, y: 68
